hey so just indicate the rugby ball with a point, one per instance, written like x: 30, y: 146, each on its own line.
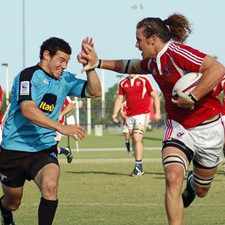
x: 186, y: 83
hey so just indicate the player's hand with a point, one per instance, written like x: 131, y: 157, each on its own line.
x: 88, y: 56
x: 74, y: 131
x: 157, y: 117
x: 114, y: 119
x: 81, y: 59
x: 183, y: 100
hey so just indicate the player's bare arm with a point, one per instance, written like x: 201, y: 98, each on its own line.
x: 35, y: 115
x: 69, y: 108
x: 93, y: 88
x: 90, y: 59
x: 156, y: 104
x: 117, y: 107
x: 213, y: 72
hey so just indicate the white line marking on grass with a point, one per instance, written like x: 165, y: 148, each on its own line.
x: 121, y: 204
x: 107, y: 160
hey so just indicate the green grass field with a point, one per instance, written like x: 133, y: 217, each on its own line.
x: 96, y: 189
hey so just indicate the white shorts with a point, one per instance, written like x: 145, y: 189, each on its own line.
x: 223, y: 121
x: 138, y: 122
x: 206, y: 141
x: 58, y: 136
x: 125, y: 129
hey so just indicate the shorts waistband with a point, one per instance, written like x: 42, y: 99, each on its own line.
x: 211, y: 120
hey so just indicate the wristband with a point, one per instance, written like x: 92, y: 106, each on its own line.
x: 99, y: 63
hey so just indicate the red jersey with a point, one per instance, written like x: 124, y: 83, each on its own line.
x: 137, y: 93
x: 218, y: 89
x: 172, y: 62
x: 67, y: 101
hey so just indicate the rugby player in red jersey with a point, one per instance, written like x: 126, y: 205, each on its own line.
x: 194, y: 130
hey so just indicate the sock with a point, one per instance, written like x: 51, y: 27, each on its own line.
x: 127, y: 143
x: 191, y: 183
x: 6, y: 214
x: 138, y: 163
x: 46, y: 211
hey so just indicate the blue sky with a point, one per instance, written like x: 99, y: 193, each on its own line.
x: 111, y: 24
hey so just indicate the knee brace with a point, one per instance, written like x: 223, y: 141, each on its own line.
x: 175, y: 159
x: 203, y: 182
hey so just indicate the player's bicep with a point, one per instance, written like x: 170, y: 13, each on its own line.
x: 27, y: 108
x: 208, y: 61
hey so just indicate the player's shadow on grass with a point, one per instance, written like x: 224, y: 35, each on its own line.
x: 158, y: 175
x: 98, y: 172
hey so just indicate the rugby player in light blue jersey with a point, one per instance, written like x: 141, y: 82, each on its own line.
x: 28, y: 149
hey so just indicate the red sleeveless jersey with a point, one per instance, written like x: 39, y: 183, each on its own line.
x: 137, y: 93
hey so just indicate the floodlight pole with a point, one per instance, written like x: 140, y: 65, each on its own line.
x: 23, y: 35
x: 88, y: 116
x: 103, y: 94
x: 77, y: 111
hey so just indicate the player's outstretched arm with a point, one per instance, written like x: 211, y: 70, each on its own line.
x: 90, y: 60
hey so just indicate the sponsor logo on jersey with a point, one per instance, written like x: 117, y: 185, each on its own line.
x: 48, y: 103
x: 181, y: 133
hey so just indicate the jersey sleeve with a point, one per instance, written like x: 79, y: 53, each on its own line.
x: 146, y: 66
x: 76, y: 86
x: 25, y: 85
x: 186, y: 57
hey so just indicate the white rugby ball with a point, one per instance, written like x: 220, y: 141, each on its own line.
x: 186, y: 83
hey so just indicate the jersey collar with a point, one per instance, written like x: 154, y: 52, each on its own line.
x: 158, y: 57
x: 48, y: 74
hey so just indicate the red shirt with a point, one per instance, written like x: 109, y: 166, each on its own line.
x: 172, y: 62
x: 67, y: 101
x: 137, y: 93
x: 218, y: 89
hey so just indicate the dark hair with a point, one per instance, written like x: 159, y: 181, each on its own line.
x: 175, y: 27
x: 53, y: 45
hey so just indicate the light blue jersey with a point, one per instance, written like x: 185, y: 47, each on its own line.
x: 20, y: 134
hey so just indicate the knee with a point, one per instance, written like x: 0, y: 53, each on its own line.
x: 15, y: 205
x: 173, y: 180
x: 201, y: 192
x: 12, y: 203
x: 49, y: 189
